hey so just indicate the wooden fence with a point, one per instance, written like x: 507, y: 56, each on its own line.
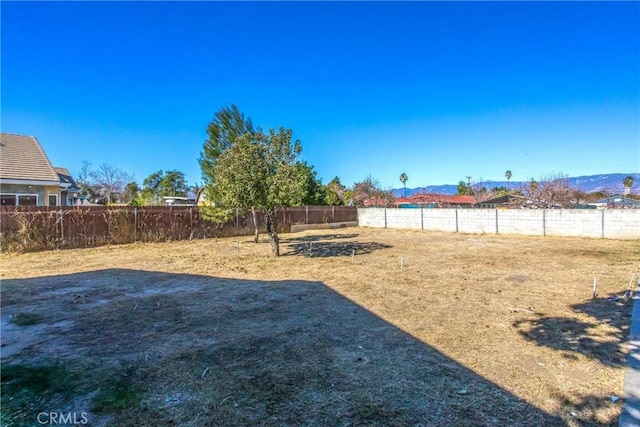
x: 32, y: 228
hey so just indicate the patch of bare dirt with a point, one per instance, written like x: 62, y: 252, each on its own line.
x: 476, y: 330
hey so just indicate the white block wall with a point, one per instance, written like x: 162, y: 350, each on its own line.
x: 527, y: 222
x: 477, y: 221
x: 405, y: 218
x: 622, y: 223
x: 371, y: 217
x: 612, y: 224
x: 579, y: 223
x: 440, y: 219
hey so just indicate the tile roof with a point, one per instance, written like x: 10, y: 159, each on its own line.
x: 66, y: 178
x: 436, y: 198
x: 22, y: 158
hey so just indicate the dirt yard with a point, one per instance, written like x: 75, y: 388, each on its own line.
x: 476, y: 330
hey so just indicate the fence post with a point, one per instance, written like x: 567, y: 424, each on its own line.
x: 333, y: 214
x: 385, y: 217
x: 61, y: 226
x: 135, y: 225
x: 306, y: 209
x: 497, y: 221
x: 237, y: 219
x: 544, y: 222
x: 603, y: 223
x: 456, y: 220
x: 190, y: 223
x: 421, y: 217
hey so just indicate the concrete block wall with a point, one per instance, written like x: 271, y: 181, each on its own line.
x: 573, y: 222
x: 440, y: 219
x: 622, y: 223
x: 405, y: 218
x: 372, y: 217
x: 477, y: 221
x: 526, y: 222
x: 612, y: 224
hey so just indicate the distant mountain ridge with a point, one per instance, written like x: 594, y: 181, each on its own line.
x: 611, y: 183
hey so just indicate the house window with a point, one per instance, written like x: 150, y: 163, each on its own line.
x: 8, y: 199
x: 27, y: 199
x: 19, y: 199
x: 53, y: 200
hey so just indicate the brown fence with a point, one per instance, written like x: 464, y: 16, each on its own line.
x: 32, y: 228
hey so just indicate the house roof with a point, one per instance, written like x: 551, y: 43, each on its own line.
x: 22, y: 158
x: 436, y: 198
x: 66, y: 178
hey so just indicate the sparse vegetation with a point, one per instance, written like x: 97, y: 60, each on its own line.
x: 477, y: 329
x: 27, y: 319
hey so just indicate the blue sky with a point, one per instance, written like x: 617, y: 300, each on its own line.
x: 439, y: 91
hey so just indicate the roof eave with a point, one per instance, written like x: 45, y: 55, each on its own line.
x: 29, y: 182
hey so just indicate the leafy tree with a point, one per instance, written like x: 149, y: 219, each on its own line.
x: 261, y: 171
x: 316, y: 192
x: 226, y: 127
x: 403, y: 179
x: 628, y: 183
x: 130, y: 194
x: 463, y: 188
x: 336, y: 193
x: 160, y: 184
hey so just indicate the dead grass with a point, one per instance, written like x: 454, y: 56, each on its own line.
x: 477, y: 330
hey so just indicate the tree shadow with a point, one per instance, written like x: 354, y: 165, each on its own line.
x: 333, y: 249
x: 319, y: 237
x: 602, y: 337
x: 150, y: 348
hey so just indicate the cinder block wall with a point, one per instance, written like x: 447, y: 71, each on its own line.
x: 612, y: 224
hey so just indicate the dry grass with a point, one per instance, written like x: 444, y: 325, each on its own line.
x: 477, y: 330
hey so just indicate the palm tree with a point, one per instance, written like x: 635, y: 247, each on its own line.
x: 507, y: 175
x: 628, y: 183
x: 404, y: 179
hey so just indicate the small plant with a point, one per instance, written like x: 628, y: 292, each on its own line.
x: 27, y: 319
x: 117, y: 394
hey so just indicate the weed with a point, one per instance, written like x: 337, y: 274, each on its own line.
x: 27, y: 319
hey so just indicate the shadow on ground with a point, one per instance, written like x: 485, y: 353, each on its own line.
x: 601, y: 336
x: 324, y: 246
x: 147, y: 348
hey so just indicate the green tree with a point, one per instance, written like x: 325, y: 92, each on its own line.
x: 227, y: 126
x: 507, y: 175
x: 463, y: 189
x: 336, y: 193
x: 628, y: 183
x: 404, y: 179
x: 130, y: 194
x: 161, y: 184
x: 261, y: 171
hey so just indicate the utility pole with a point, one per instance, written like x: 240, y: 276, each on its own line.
x: 469, y: 185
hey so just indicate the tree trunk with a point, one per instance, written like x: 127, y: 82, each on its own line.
x: 255, y: 224
x: 270, y: 219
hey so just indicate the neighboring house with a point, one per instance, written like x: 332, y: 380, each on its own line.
x: 502, y: 202
x: 179, y: 201
x: 617, y: 202
x: 27, y: 176
x: 433, y: 200
x: 69, y: 194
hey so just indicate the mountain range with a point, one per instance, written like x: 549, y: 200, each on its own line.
x: 610, y: 183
